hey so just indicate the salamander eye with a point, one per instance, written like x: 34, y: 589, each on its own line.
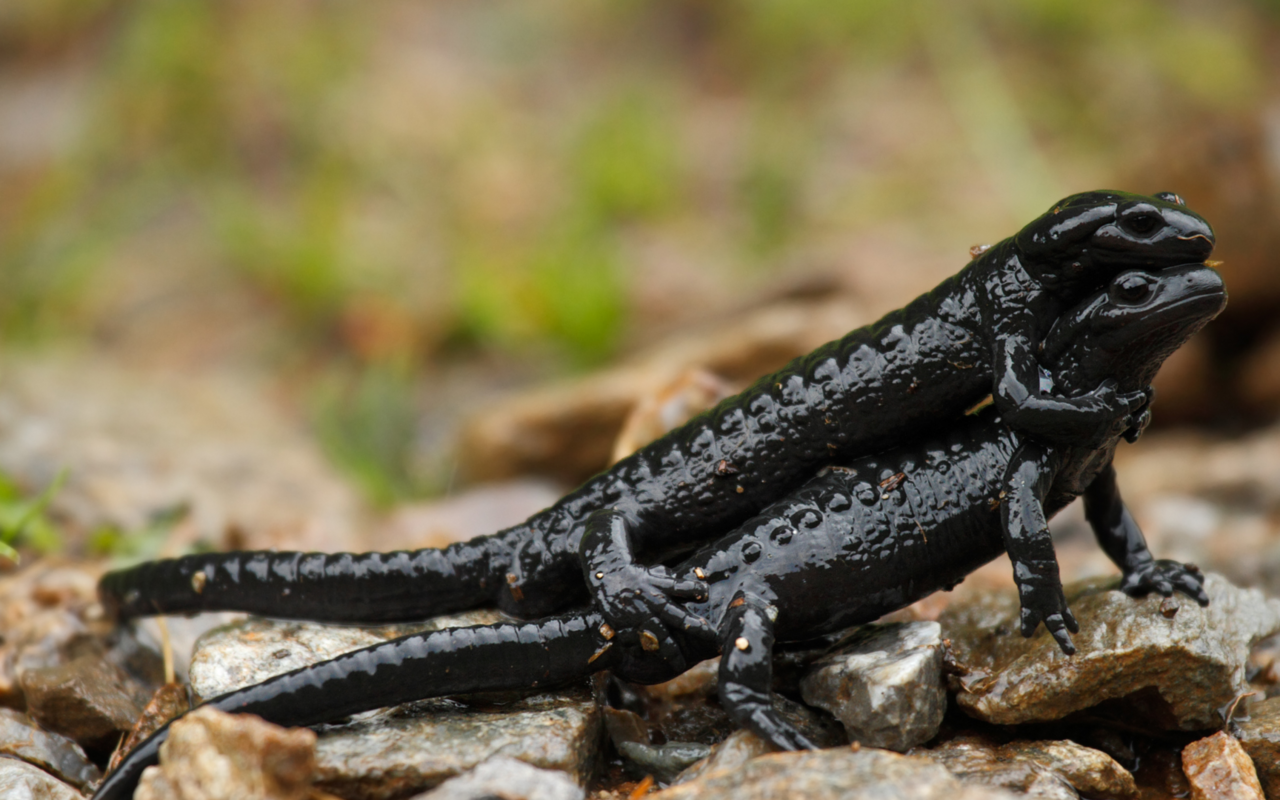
x: 1132, y: 288
x: 1140, y: 224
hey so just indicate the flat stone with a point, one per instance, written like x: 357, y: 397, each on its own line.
x: 212, y: 755
x: 250, y: 651
x: 885, y: 685
x: 20, y: 780
x: 835, y: 774
x: 1218, y: 768
x: 420, y: 745
x: 1049, y: 769
x: 507, y: 779
x: 1260, y: 737
x: 1162, y: 672
x: 88, y: 699
x: 21, y: 738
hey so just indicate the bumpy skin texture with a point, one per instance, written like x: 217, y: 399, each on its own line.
x: 917, y: 369
x: 853, y: 543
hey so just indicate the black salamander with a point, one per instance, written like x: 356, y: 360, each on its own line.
x: 917, y: 369
x: 853, y: 543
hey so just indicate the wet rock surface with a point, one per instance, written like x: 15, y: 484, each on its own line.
x: 420, y: 745
x: 835, y: 773
x: 506, y: 778
x: 738, y: 749
x: 1218, y: 768
x: 21, y: 738
x: 1260, y: 737
x: 1050, y: 769
x: 88, y: 699
x: 1155, y: 670
x: 18, y: 779
x: 211, y: 755
x: 885, y: 685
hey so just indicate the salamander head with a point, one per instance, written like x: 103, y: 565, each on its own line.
x: 1125, y: 331
x: 1086, y: 239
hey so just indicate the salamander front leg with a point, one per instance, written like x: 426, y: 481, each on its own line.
x: 1122, y: 540
x: 1030, y: 547
x: 635, y: 597
x: 746, y: 675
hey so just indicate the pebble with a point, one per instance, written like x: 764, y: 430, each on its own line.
x: 88, y: 699
x: 1218, y: 768
x: 20, y: 780
x: 506, y: 779
x: 420, y: 745
x: 885, y: 685
x: 834, y: 774
x: 1260, y: 737
x: 738, y: 749
x: 1161, y: 673
x: 1062, y: 770
x: 21, y: 738
x: 212, y: 755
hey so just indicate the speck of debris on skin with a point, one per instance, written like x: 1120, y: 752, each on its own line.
x: 600, y: 652
x: 606, y: 631
x: 198, y: 581
x: 726, y: 467
x: 742, y: 644
x: 1169, y: 608
x: 739, y: 489
x: 648, y: 641
x: 512, y: 579
x: 698, y: 571
x: 599, y: 576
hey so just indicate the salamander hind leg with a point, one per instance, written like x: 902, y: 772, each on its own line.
x: 746, y: 674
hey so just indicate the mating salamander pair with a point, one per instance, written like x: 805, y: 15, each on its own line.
x: 843, y: 548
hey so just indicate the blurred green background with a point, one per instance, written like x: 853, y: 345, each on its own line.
x: 357, y: 195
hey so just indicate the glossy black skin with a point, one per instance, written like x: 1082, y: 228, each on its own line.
x: 853, y: 543
x: 917, y: 369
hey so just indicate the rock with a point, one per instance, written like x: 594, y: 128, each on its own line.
x: 1218, y: 768
x: 1260, y: 737
x: 22, y: 738
x: 502, y: 778
x: 885, y: 685
x: 837, y: 773
x: 43, y: 608
x: 422, y: 744
x: 568, y: 431
x: 738, y: 749
x: 88, y: 699
x: 251, y: 650
x: 663, y: 761
x: 1050, y: 769
x: 212, y: 755
x: 1132, y: 662
x: 18, y: 779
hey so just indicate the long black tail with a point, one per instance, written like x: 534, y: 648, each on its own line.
x: 481, y: 658
x: 336, y: 587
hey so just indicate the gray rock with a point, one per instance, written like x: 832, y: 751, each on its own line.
x: 212, y: 755
x: 1163, y: 672
x: 1062, y: 770
x: 22, y: 738
x: 1260, y: 737
x: 250, y: 651
x: 836, y: 774
x: 420, y: 745
x: 738, y: 749
x: 20, y: 780
x: 885, y: 685
x: 502, y: 778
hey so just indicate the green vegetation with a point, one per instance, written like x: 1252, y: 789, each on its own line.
x: 393, y: 182
x: 23, y: 522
